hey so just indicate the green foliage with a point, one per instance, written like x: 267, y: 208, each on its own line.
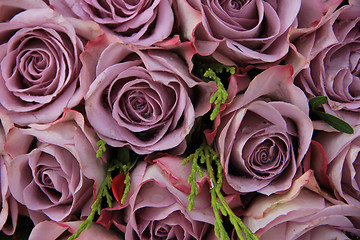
x: 213, y: 71
x: 316, y: 102
x: 101, y: 144
x: 205, y: 154
x: 121, y: 163
x: 96, y: 206
x: 333, y: 121
x: 196, y: 169
x: 219, y: 96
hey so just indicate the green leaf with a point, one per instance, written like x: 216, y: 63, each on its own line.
x: 335, y: 122
x: 316, y: 102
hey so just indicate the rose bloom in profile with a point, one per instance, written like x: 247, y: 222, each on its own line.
x: 54, y: 171
x: 327, y: 59
x: 157, y: 204
x: 39, y: 61
x: 145, y: 99
x: 302, y: 213
x: 342, y: 152
x: 49, y: 230
x: 264, y: 134
x: 138, y: 22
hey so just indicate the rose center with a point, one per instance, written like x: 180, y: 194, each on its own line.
x: 233, y: 4
x: 137, y: 103
x: 265, y: 153
x: 162, y: 232
x: 46, y: 180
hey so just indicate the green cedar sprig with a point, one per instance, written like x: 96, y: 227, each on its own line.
x: 96, y: 206
x: 122, y: 163
x: 219, y: 96
x: 196, y: 169
x: 211, y: 71
x: 333, y: 121
x: 102, y: 148
x: 206, y: 155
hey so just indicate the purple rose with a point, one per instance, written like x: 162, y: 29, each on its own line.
x: 145, y: 99
x: 157, y: 204
x: 330, y: 57
x: 48, y: 230
x: 264, y: 134
x: 245, y: 32
x: 39, y: 63
x: 301, y: 214
x: 138, y: 22
x: 343, y: 160
x: 58, y: 166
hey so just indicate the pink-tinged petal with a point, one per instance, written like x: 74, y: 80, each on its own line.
x: 177, y: 173
x: 298, y: 213
x: 316, y: 160
x: 267, y: 203
x: 276, y: 82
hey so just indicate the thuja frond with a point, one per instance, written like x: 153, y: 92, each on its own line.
x: 122, y: 163
x: 239, y: 226
x: 205, y: 154
x: 127, y: 187
x: 213, y: 71
x: 195, y: 170
x: 101, y: 144
x: 95, y: 207
x: 219, y: 96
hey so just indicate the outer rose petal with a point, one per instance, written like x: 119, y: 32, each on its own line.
x: 299, y: 213
x: 342, y: 152
x: 49, y: 230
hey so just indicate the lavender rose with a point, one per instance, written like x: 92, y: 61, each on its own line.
x: 251, y: 32
x: 58, y: 166
x: 332, y: 54
x: 301, y: 214
x: 48, y: 230
x: 157, y: 204
x: 138, y: 22
x: 145, y: 99
x: 343, y: 161
x: 264, y: 134
x: 39, y: 63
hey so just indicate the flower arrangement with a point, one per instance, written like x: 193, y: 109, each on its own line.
x: 180, y: 119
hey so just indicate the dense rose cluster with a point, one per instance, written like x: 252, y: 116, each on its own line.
x: 170, y: 119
